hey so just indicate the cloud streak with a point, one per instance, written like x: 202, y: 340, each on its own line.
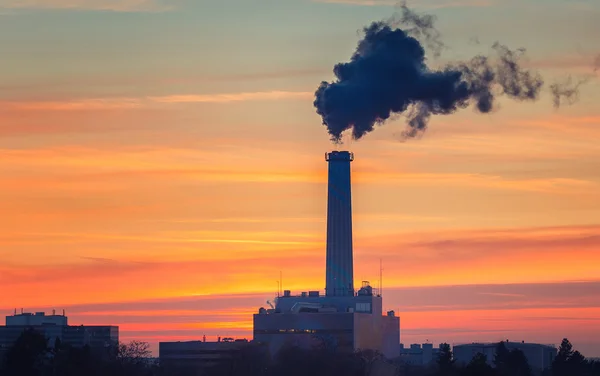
x: 237, y: 97
x: 94, y: 5
x: 124, y: 103
x: 424, y: 4
x: 75, y: 105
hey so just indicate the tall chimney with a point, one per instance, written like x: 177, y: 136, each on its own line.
x: 339, y: 275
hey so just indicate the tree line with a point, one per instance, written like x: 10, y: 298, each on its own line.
x: 507, y: 362
x: 31, y: 355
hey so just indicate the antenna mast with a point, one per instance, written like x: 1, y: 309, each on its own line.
x: 380, y: 278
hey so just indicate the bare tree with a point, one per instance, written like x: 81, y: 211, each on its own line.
x: 134, y: 352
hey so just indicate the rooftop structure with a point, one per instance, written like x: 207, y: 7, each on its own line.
x: 34, y: 319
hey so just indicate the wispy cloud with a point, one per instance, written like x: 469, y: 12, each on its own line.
x: 545, y: 185
x: 123, y: 103
x: 428, y: 4
x: 237, y: 97
x: 579, y: 63
x: 75, y: 105
x: 102, y: 5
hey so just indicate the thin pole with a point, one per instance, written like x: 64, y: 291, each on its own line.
x: 380, y: 278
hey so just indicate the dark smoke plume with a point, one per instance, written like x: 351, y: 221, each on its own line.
x: 420, y: 27
x: 567, y: 91
x: 388, y: 75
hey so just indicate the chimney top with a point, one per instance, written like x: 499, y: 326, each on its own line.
x: 339, y: 156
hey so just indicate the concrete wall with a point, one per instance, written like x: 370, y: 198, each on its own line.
x: 368, y: 327
x: 390, y: 337
x: 341, y: 303
x: 94, y: 336
x: 305, y: 330
x: 194, y: 357
x: 368, y: 331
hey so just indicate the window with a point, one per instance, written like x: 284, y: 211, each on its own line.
x: 363, y: 307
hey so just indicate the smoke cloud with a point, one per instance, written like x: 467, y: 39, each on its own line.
x: 566, y: 92
x: 388, y: 75
x: 420, y: 27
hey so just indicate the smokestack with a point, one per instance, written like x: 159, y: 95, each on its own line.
x: 339, y: 274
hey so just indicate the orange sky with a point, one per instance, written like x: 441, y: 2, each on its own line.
x: 162, y: 187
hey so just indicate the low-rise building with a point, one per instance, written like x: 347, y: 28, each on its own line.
x: 36, y: 319
x: 195, y: 357
x: 417, y: 354
x: 55, y: 327
x: 540, y: 357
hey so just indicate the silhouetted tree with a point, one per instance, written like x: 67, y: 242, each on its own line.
x: 132, y: 359
x: 478, y: 367
x: 28, y: 356
x: 501, y: 358
x: 294, y: 361
x: 519, y: 365
x: 75, y: 361
x: 369, y: 359
x: 253, y: 360
x: 134, y: 352
x: 511, y: 363
x: 569, y: 362
x: 445, y: 360
x: 559, y: 365
x: 594, y: 368
x: 406, y: 369
x: 578, y: 364
x: 250, y: 360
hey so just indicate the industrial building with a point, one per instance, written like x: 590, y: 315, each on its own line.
x: 342, y: 319
x: 196, y: 357
x: 540, y: 357
x: 55, y: 327
x: 419, y: 355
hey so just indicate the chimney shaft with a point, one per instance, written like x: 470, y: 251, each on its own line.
x: 339, y: 274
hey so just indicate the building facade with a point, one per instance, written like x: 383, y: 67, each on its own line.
x: 36, y: 319
x: 417, y: 354
x: 343, y: 324
x: 55, y: 327
x: 196, y: 357
x: 540, y: 357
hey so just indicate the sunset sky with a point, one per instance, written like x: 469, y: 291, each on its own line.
x: 161, y: 162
